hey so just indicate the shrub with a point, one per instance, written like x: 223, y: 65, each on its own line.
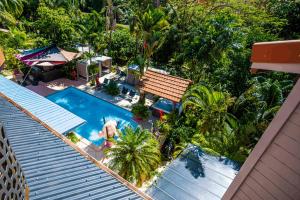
x: 140, y: 110
x: 122, y: 46
x: 72, y: 136
x: 112, y: 88
x: 135, y: 155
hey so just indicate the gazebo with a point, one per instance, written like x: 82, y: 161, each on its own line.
x: 164, y: 85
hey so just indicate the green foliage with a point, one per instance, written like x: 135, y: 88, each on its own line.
x: 72, y: 136
x: 11, y: 61
x: 93, y: 69
x: 122, y: 46
x: 112, y: 88
x: 150, y: 27
x: 208, y: 43
x: 135, y: 155
x: 208, y: 107
x: 257, y: 106
x: 56, y: 26
x: 67, y: 4
x: 140, y: 110
x: 9, y: 9
x: 91, y: 27
x: 289, y: 10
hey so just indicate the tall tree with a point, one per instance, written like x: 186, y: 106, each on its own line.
x: 208, y: 107
x: 151, y: 27
x: 135, y: 155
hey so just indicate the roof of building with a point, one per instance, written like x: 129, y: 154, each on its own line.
x: 54, y: 116
x: 194, y: 175
x: 53, y: 169
x: 283, y: 56
x: 164, y: 85
x: 271, y: 171
x: 2, y: 58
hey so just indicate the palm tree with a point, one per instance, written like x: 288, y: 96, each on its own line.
x: 150, y: 27
x: 91, y: 27
x: 9, y: 9
x: 209, y: 107
x: 135, y: 155
x: 110, y: 20
x: 257, y: 106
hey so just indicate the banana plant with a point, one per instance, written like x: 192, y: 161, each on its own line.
x: 9, y: 9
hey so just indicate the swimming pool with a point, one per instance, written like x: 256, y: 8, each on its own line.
x: 164, y: 105
x: 93, y: 110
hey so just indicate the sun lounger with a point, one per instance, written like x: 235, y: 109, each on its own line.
x: 132, y: 93
x: 124, y: 91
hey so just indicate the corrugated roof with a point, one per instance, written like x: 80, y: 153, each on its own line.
x: 52, y: 168
x: 194, y: 175
x: 46, y: 111
x: 163, y: 85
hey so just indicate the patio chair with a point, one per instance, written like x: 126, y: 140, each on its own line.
x: 124, y: 91
x: 106, y: 81
x: 132, y: 93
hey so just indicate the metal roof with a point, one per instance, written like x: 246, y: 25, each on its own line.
x: 46, y: 111
x: 194, y: 175
x: 52, y: 168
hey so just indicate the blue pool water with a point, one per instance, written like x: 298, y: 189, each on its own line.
x: 93, y: 110
x: 164, y: 105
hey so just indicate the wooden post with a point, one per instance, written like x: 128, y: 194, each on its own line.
x: 27, y: 192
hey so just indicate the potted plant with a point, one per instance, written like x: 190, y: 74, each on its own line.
x: 93, y: 70
x: 112, y: 88
x: 140, y: 112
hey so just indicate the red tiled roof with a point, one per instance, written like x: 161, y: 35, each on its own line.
x: 2, y: 59
x: 163, y: 85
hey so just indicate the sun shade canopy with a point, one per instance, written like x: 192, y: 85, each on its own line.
x: 47, y: 56
x: 194, y: 175
x: 281, y: 56
x: 49, y: 113
x: 164, y: 85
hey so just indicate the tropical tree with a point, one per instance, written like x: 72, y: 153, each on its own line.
x: 9, y: 9
x: 56, y: 26
x: 67, y: 4
x: 208, y: 107
x: 91, y: 26
x: 150, y: 27
x: 110, y: 20
x: 135, y: 155
x: 257, y: 106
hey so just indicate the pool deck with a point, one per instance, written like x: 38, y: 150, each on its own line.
x: 45, y: 89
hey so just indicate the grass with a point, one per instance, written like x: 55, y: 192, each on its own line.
x: 72, y: 136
